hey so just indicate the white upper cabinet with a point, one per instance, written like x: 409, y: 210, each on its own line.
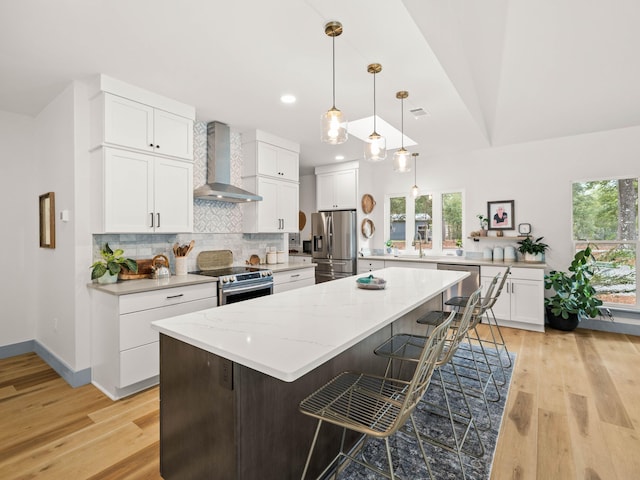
x: 126, y: 123
x: 271, y: 170
x: 140, y: 193
x: 337, y: 189
x: 267, y: 155
x: 277, y: 212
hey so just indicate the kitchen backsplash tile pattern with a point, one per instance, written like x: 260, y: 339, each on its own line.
x: 209, y: 215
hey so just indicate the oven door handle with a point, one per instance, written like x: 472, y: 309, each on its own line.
x: 247, y: 288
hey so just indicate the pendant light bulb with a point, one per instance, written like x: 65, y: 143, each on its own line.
x: 375, y: 146
x: 333, y: 122
x: 415, y: 191
x: 401, y: 157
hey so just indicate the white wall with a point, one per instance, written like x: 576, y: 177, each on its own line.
x: 19, y: 238
x: 537, y: 176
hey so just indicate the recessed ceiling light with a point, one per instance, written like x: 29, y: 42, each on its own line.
x: 288, y: 99
x: 339, y: 157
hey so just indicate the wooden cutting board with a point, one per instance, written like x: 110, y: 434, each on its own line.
x: 144, y: 270
x: 212, y: 259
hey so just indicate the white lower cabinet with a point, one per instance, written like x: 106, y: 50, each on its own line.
x: 366, y: 265
x: 124, y: 348
x: 521, y: 302
x: 292, y: 279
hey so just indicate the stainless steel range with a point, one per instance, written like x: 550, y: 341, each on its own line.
x: 240, y: 283
x: 234, y: 283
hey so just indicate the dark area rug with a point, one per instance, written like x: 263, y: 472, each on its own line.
x: 408, y: 462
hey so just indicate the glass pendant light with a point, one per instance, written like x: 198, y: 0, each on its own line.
x: 375, y: 147
x: 415, y: 191
x: 401, y: 157
x: 334, y: 123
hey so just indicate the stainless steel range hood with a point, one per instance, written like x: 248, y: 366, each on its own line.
x: 218, y: 186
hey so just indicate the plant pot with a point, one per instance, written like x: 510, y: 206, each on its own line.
x: 459, y: 252
x: 533, y: 257
x: 560, y: 323
x: 108, y: 278
x: 483, y: 233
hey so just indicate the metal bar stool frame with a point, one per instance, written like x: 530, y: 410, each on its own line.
x: 402, y: 347
x: 375, y: 406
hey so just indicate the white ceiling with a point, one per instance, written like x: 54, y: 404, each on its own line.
x: 489, y: 72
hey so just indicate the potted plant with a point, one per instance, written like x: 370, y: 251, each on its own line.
x: 107, y: 269
x: 533, y: 250
x: 389, y: 244
x: 459, y: 247
x: 574, y: 296
x: 484, y: 221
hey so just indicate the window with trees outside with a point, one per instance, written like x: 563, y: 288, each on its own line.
x: 431, y: 221
x: 605, y: 216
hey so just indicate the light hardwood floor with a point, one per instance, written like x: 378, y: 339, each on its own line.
x: 572, y: 413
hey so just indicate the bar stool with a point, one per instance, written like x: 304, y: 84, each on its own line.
x: 375, y: 406
x: 402, y: 348
x: 498, y: 343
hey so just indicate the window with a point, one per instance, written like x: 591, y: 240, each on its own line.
x: 433, y: 221
x: 605, y: 215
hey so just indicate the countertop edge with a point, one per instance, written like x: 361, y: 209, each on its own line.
x: 456, y: 260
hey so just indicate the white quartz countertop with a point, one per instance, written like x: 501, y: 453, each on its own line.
x: 289, y: 334
x: 454, y: 259
x: 125, y: 287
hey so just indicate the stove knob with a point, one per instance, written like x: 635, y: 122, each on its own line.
x: 223, y: 280
x: 232, y: 279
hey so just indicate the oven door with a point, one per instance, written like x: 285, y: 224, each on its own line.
x: 239, y: 293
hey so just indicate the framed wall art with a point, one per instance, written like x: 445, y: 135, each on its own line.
x: 47, y: 220
x: 501, y: 215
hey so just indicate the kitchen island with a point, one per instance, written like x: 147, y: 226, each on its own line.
x: 231, y: 378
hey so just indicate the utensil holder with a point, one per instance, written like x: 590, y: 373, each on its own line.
x: 181, y: 265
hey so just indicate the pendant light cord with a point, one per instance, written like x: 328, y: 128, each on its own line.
x: 402, y: 122
x: 374, y: 103
x: 333, y: 43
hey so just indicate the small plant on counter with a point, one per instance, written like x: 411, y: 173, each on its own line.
x: 459, y: 243
x: 484, y: 221
x: 532, y: 249
x: 112, y: 262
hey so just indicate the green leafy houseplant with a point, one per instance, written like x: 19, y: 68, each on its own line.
x: 112, y: 262
x: 484, y: 221
x: 534, y: 247
x: 574, y: 296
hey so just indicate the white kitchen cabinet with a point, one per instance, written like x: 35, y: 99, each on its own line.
x: 292, y: 279
x: 410, y: 264
x: 124, y: 347
x: 277, y: 212
x: 126, y: 123
x: 264, y: 159
x: 337, y: 189
x: 140, y: 193
x: 365, y: 265
x: 521, y: 302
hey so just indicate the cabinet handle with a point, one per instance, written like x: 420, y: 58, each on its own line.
x: 513, y: 289
x: 158, y: 217
x: 151, y: 214
x: 175, y: 296
x: 158, y: 146
x: 151, y: 144
x: 296, y: 275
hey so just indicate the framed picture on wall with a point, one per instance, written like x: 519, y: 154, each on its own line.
x: 501, y: 215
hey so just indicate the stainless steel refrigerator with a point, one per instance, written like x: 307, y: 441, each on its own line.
x: 334, y: 244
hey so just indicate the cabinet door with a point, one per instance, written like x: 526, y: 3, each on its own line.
x: 128, y: 192
x: 128, y: 123
x: 527, y: 301
x: 288, y: 165
x: 268, y: 207
x: 173, y: 135
x: 288, y: 206
x: 173, y: 200
x: 502, y: 307
x: 277, y: 162
x: 345, y: 189
x: 325, y: 191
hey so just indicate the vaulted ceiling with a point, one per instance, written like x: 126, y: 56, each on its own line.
x: 489, y: 73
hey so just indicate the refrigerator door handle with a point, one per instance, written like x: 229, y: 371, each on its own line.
x: 329, y: 236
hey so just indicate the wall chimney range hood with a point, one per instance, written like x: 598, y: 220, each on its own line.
x: 218, y: 186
